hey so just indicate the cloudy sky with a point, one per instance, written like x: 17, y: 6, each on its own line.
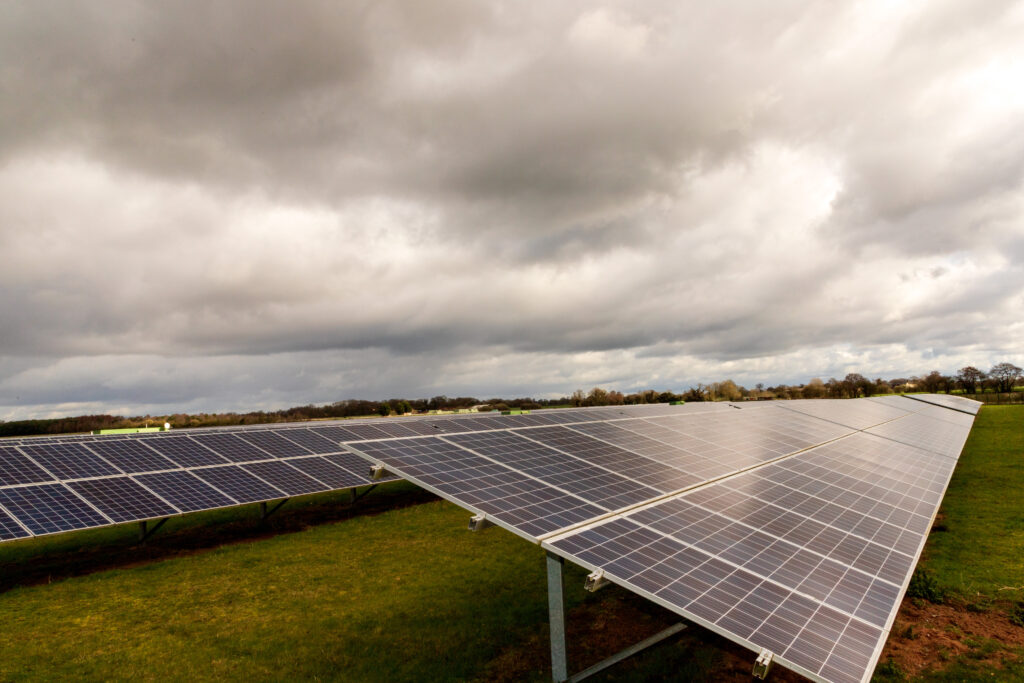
x: 244, y: 205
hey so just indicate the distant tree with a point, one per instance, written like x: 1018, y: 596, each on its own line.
x: 597, y: 397
x: 814, y: 389
x: 727, y: 390
x: 882, y: 387
x: 969, y: 377
x: 578, y: 398
x: 615, y: 398
x: 1006, y: 375
x: 854, y: 384
x: 697, y: 393
x: 384, y: 409
x: 932, y: 382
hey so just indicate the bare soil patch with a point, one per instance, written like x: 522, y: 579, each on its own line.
x: 927, y: 637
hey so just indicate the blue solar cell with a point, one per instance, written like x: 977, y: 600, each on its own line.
x: 184, y: 491
x: 15, y: 468
x: 121, y: 499
x: 49, y: 508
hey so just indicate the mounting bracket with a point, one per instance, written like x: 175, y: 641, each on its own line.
x: 596, y: 581
x: 479, y: 522
x: 378, y: 472
x: 762, y: 664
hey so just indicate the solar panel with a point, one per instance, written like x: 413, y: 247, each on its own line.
x: 274, y: 443
x: 184, y: 491
x: 131, y: 456
x: 49, y: 509
x: 797, y: 531
x: 231, y: 447
x: 239, y: 484
x: 287, y: 478
x: 69, y: 460
x: 949, y: 401
x: 121, y: 499
x: 310, y: 440
x: 329, y: 473
x: 185, y: 452
x: 10, y: 529
x: 520, y: 503
x: 15, y: 468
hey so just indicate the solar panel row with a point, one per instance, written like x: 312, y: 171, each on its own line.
x: 792, y: 526
x: 63, y: 483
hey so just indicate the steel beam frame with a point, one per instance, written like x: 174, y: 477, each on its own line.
x: 556, y: 619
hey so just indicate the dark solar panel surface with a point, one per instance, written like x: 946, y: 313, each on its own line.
x: 69, y: 460
x: 49, y: 509
x: 131, y: 456
x: 121, y: 499
x: 285, y: 477
x: 231, y: 447
x: 185, y: 491
x: 184, y: 451
x: 239, y: 484
x: 15, y: 468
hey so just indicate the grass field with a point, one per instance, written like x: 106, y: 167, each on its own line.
x: 406, y: 593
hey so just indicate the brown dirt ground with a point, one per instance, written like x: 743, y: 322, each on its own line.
x: 927, y: 636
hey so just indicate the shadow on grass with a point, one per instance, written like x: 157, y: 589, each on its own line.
x: 43, y: 560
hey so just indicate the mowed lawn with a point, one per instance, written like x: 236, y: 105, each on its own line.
x: 410, y: 594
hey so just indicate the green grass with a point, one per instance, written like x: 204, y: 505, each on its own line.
x: 980, y: 554
x: 387, y: 597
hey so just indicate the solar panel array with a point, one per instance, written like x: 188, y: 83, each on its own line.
x: 792, y: 526
x: 64, y: 483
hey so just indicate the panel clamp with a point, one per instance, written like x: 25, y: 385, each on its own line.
x: 762, y: 664
x: 378, y: 472
x: 479, y: 522
x: 595, y: 581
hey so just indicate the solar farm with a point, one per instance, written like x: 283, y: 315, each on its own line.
x: 788, y: 529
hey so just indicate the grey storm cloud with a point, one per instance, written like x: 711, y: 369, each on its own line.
x: 227, y: 205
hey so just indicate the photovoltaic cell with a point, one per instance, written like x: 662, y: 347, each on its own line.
x: 121, y: 499
x: 10, y: 529
x: 131, y: 455
x: 239, y: 484
x: 185, y: 452
x: 591, y: 483
x: 49, y: 508
x: 231, y: 447
x: 69, y: 460
x: 15, y: 468
x: 311, y: 441
x: 287, y: 478
x: 184, y: 491
x: 520, y: 502
x: 330, y: 474
x: 273, y: 443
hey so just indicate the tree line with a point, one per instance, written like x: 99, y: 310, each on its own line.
x: 1002, y: 377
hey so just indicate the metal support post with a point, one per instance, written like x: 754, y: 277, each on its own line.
x: 264, y: 512
x: 556, y: 619
x: 356, y: 496
x: 145, y: 533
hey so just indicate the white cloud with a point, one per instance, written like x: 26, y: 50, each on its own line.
x: 498, y: 198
